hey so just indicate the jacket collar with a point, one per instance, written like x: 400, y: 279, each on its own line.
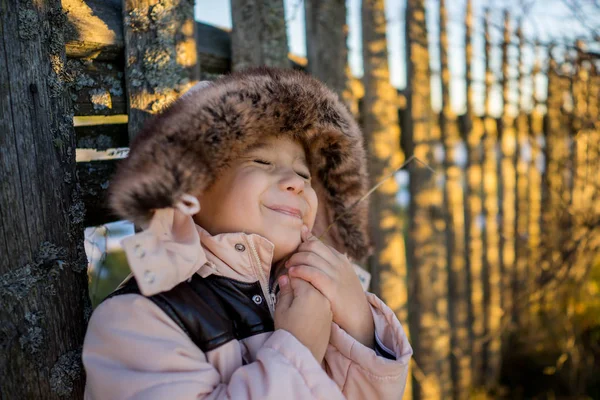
x: 173, y: 248
x: 241, y: 256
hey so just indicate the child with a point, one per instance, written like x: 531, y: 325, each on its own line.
x: 233, y: 296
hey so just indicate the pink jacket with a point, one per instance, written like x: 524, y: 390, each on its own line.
x: 133, y: 350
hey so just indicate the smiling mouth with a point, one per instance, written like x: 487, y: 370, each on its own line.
x: 287, y: 211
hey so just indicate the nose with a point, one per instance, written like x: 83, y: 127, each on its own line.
x: 291, y: 181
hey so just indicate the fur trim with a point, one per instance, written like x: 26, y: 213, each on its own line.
x: 186, y: 147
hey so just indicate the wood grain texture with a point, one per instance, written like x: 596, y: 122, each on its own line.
x: 259, y: 36
x: 94, y: 177
x: 43, y: 284
x: 161, y: 60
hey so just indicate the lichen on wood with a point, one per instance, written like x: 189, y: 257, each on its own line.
x: 65, y: 372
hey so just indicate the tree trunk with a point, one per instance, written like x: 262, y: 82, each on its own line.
x: 160, y: 54
x: 458, y: 294
x: 491, y: 265
x: 382, y: 136
x: 426, y: 244
x: 258, y: 36
x: 473, y: 211
x: 43, y: 282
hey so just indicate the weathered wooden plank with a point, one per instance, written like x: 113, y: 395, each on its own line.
x: 95, y: 31
x: 102, y: 137
x: 259, y: 36
x: 428, y: 280
x: 97, y: 87
x: 161, y: 57
x: 454, y: 202
x: 382, y: 138
x: 491, y: 238
x: 94, y: 178
x: 326, y: 48
x: 43, y: 284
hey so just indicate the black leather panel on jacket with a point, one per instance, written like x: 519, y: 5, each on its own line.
x: 213, y: 310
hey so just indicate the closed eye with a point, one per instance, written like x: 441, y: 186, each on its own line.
x: 305, y: 176
x: 263, y: 162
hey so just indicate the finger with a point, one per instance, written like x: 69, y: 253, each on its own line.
x: 286, y: 294
x: 320, y: 248
x: 306, y: 234
x: 300, y: 287
x: 317, y: 278
x: 313, y: 260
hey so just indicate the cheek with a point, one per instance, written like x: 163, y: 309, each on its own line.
x: 313, y: 202
x: 246, y: 191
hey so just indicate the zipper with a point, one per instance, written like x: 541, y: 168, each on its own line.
x: 264, y: 281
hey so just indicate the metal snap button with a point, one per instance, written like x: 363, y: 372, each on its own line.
x: 240, y: 247
x: 257, y: 299
x: 139, y: 251
x: 149, y: 277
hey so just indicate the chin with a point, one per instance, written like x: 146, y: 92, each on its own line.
x: 284, y: 248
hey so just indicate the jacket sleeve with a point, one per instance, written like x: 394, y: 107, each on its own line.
x: 364, y: 373
x: 133, y: 350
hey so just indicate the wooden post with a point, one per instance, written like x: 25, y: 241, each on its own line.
x: 382, y: 137
x: 258, y: 36
x: 426, y: 242
x: 534, y: 181
x: 473, y: 210
x: 491, y: 265
x: 458, y: 291
x: 522, y: 206
x: 326, y: 48
x: 161, y: 60
x: 507, y: 170
x: 556, y: 217
x: 43, y: 281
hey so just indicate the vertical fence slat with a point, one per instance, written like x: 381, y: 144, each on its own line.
x: 427, y: 260
x: 382, y: 137
x: 508, y: 176
x: 473, y: 209
x: 534, y: 181
x: 160, y: 56
x: 522, y: 192
x: 458, y: 294
x: 43, y: 284
x: 259, y: 35
x: 491, y: 266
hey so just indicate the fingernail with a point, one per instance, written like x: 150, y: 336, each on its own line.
x: 304, y: 229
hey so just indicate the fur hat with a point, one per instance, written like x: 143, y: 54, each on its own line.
x: 184, y: 149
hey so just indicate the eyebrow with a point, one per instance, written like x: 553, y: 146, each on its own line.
x: 263, y: 146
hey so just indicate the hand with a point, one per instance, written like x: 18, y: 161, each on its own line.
x: 333, y: 275
x: 304, y: 312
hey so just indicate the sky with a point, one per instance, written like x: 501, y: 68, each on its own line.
x: 542, y: 19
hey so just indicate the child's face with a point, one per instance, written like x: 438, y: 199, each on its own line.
x: 267, y: 192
